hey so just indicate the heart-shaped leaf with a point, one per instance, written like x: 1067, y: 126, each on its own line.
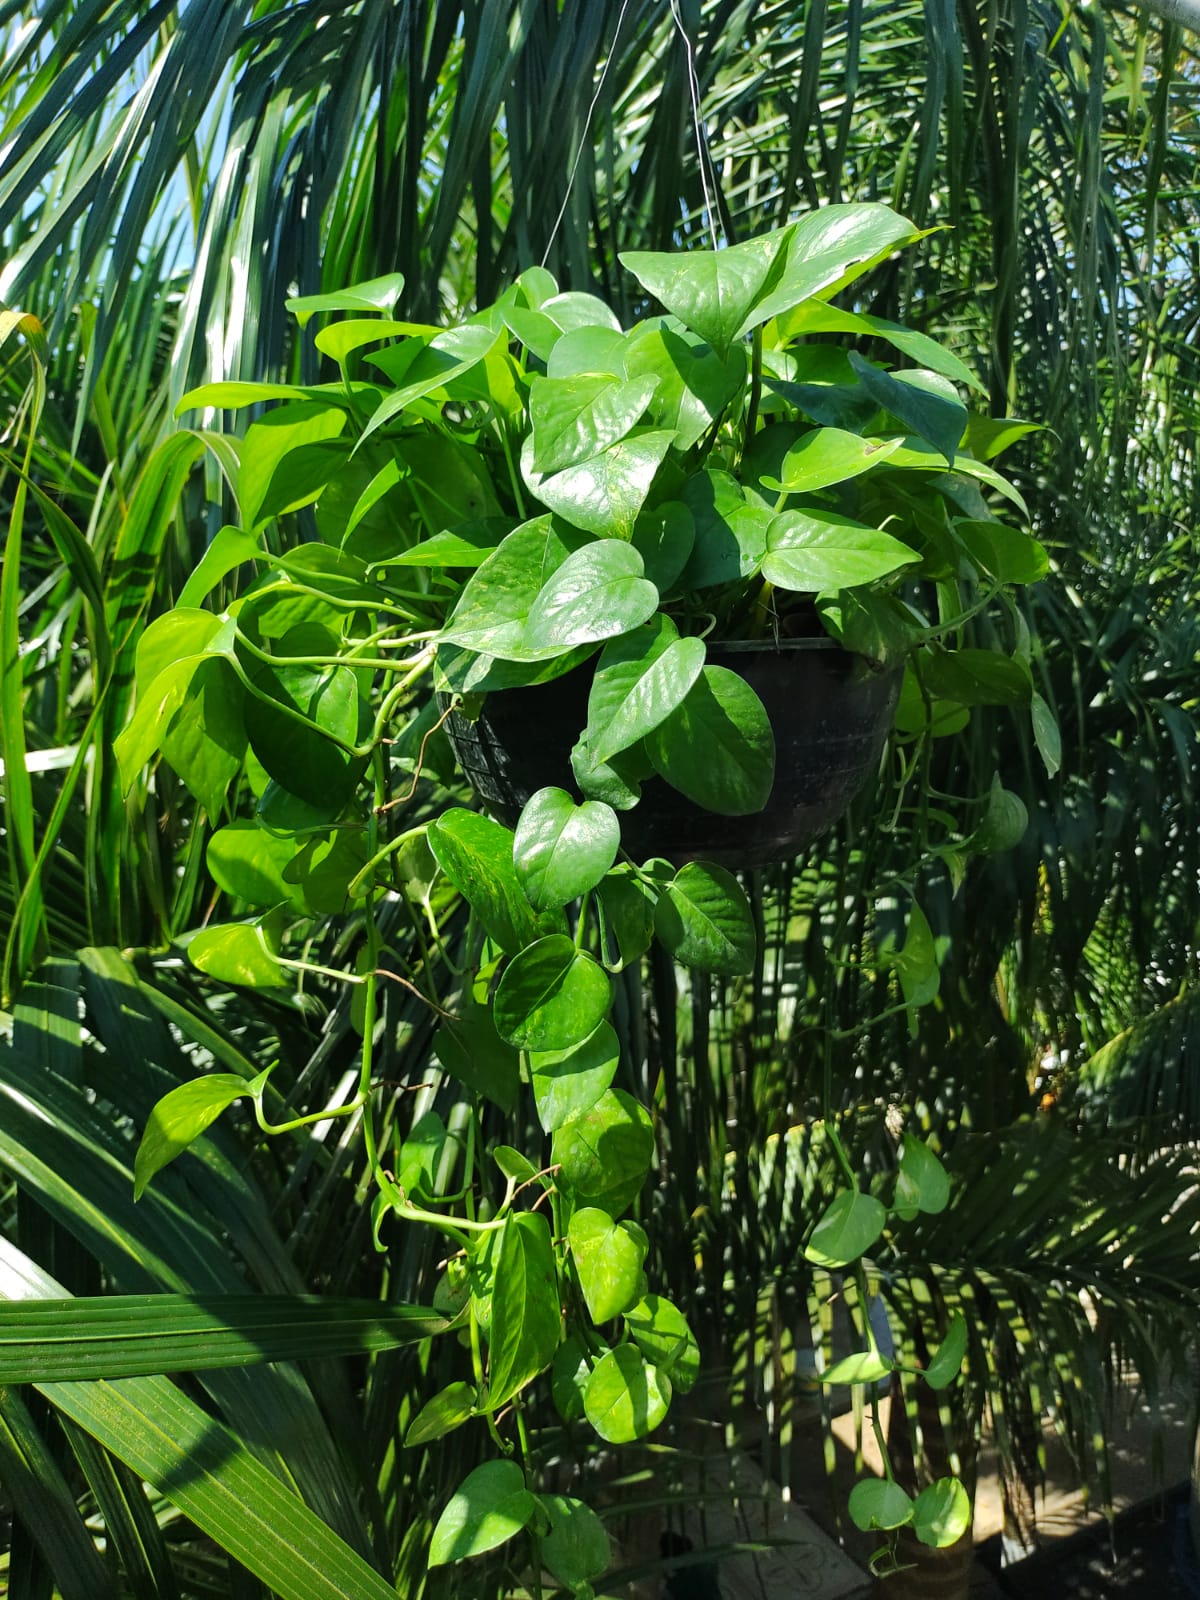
x: 661, y: 1333
x: 866, y: 1366
x: 490, y: 1506
x: 847, y: 1230
x: 714, y: 292
x: 879, y: 1503
x: 604, y: 493
x: 568, y: 1083
x: 826, y: 456
x: 596, y: 593
x: 626, y: 1398
x: 239, y: 952
x: 181, y: 1117
x: 578, y: 417
x: 717, y: 746
x: 562, y: 849
x: 552, y: 996
x: 924, y: 402
x: 695, y: 384
x: 946, y: 1364
x: 576, y: 1549
x: 941, y: 1513
x: 603, y: 1156
x: 810, y: 551
x: 449, y: 1409
x: 922, y: 1183
x: 476, y: 854
x: 608, y: 1259
x: 704, y: 919
x: 640, y: 679
x: 493, y: 609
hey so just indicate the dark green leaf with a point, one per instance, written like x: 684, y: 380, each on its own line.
x: 976, y: 678
x: 924, y: 402
x: 704, y: 919
x: 576, y: 1549
x: 471, y: 1050
x: 640, y: 679
x: 717, y: 746
x: 552, y: 996
x: 946, y: 1364
x: 476, y: 854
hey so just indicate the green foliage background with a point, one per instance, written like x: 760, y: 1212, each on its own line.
x: 169, y: 175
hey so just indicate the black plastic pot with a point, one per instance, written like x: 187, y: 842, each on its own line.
x: 829, y: 710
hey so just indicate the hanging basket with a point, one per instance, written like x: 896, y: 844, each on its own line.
x: 829, y: 710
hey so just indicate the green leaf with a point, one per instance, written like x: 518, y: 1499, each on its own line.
x: 449, y: 1409
x: 248, y: 862
x: 661, y: 1333
x: 468, y: 545
x: 977, y: 678
x: 714, y: 292
x: 120, y: 1336
x: 810, y: 551
x: 730, y: 537
x: 1004, y: 553
x: 476, y: 854
x: 303, y: 746
x: 420, y: 1156
x: 447, y: 357
x: 490, y: 1506
x: 576, y: 1549
x: 608, y: 1258
x: 181, y: 1117
x: 829, y: 249
x: 922, y: 1183
x: 848, y: 1228
x: 373, y: 294
x: 717, y: 746
x: 640, y: 679
x: 526, y: 1321
x: 271, y: 443
x: 663, y: 536
x: 866, y: 1366
x: 1046, y: 734
x: 916, y: 963
x: 470, y: 1049
x: 562, y: 849
x: 626, y: 1398
x: 946, y: 1364
x: 827, y: 456
x: 605, y: 1155
x: 1004, y: 823
x: 617, y: 782
x: 552, y: 996
x: 205, y: 740
x: 238, y: 952
x: 568, y: 1083
x: 604, y: 493
x: 628, y: 907
x: 493, y: 609
x: 878, y: 1503
x: 924, y: 402
x: 574, y: 418
x: 596, y: 593
x: 817, y: 317
x: 942, y: 1513
x: 704, y: 919
x: 695, y: 384
x: 570, y: 1372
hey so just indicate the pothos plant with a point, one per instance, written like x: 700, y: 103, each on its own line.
x: 490, y: 506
